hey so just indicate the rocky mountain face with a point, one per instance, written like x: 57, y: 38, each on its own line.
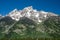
x: 29, y: 23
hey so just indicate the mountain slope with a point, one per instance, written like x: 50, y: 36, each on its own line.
x: 53, y: 26
x: 5, y: 24
x: 27, y: 28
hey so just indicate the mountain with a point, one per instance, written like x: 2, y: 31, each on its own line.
x: 29, y: 23
x: 29, y: 12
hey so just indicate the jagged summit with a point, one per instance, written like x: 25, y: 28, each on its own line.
x: 30, y: 13
x: 29, y: 8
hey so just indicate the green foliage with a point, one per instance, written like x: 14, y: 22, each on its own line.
x: 53, y: 24
x: 27, y: 28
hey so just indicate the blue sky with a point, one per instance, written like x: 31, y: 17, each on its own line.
x: 47, y: 5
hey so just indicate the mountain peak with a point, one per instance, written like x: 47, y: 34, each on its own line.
x: 30, y: 13
x: 14, y: 10
x: 29, y: 7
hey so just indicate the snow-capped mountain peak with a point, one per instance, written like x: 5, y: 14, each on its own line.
x: 30, y: 13
x: 14, y: 10
x: 15, y: 14
x: 28, y: 8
